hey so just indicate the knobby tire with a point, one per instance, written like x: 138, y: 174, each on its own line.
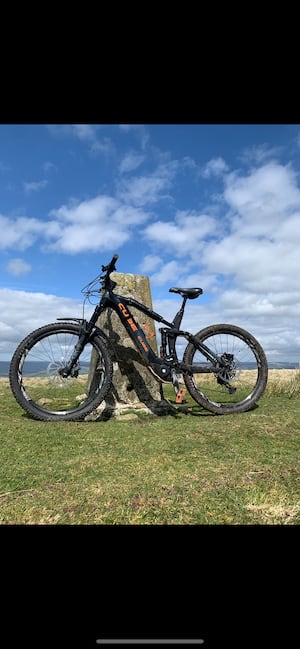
x: 247, y: 353
x: 39, y: 388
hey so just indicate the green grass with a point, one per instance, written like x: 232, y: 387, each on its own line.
x: 185, y: 469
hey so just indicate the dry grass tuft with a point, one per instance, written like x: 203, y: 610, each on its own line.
x: 284, y: 382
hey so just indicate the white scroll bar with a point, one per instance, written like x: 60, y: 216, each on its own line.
x: 150, y: 641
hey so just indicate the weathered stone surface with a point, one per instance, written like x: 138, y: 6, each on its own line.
x: 134, y: 388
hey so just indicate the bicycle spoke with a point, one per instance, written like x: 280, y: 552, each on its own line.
x: 237, y: 380
x: 38, y: 384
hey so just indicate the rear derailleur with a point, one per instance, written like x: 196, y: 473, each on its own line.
x: 227, y: 372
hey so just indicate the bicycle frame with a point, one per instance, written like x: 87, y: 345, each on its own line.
x: 162, y: 365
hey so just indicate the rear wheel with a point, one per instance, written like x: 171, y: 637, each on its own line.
x: 37, y: 384
x: 238, y: 380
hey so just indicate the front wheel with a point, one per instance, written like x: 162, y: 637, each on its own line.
x: 37, y: 384
x: 237, y: 380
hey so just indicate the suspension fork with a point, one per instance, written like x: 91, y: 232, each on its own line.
x: 72, y: 366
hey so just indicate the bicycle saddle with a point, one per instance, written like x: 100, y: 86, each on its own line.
x: 190, y: 293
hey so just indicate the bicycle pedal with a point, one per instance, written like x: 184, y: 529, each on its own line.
x: 180, y: 394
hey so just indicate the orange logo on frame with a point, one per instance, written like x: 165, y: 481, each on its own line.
x: 143, y: 344
x: 123, y: 309
x: 150, y: 333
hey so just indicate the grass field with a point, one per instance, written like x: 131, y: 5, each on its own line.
x: 184, y: 469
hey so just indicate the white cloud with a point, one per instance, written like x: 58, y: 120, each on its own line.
x: 86, y: 133
x: 264, y: 198
x: 87, y: 211
x: 101, y: 223
x: 20, y: 232
x: 185, y: 235
x: 248, y: 260
x: 260, y: 253
x: 104, y: 146
x: 130, y: 162
x: 37, y: 309
x: 169, y: 272
x: 150, y: 263
x: 35, y: 186
x: 215, y: 167
x: 143, y: 190
x: 18, y: 267
x: 258, y: 154
x: 261, y: 247
x: 48, y: 167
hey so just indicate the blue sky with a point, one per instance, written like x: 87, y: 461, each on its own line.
x: 215, y: 206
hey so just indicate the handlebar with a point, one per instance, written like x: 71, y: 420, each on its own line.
x: 105, y: 281
x: 111, y: 266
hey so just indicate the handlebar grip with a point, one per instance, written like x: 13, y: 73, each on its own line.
x: 111, y: 266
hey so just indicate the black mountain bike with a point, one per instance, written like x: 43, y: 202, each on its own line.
x: 224, y: 368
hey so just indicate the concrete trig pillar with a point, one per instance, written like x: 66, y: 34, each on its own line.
x: 134, y: 388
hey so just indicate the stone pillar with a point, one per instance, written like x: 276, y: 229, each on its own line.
x: 134, y: 388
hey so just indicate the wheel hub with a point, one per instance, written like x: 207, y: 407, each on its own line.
x: 55, y: 376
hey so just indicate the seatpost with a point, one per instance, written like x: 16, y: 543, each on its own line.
x: 178, y: 318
